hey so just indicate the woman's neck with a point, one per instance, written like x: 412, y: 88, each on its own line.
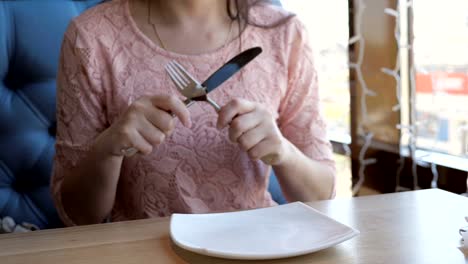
x: 185, y: 26
x: 190, y: 11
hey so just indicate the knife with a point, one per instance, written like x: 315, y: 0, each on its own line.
x: 227, y: 71
x: 224, y: 73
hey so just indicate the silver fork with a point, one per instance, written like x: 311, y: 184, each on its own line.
x: 187, y: 85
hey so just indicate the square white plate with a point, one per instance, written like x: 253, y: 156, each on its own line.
x: 276, y: 232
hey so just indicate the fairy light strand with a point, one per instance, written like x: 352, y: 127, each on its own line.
x: 366, y: 92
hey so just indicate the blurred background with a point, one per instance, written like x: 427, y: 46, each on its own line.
x: 394, y: 89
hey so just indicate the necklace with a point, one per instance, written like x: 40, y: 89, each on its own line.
x: 155, y: 30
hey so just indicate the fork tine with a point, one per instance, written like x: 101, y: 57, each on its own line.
x: 176, y: 74
x: 180, y: 74
x: 174, y: 80
x: 174, y: 77
x: 184, y: 72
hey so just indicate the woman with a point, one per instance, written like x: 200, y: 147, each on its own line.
x: 113, y: 94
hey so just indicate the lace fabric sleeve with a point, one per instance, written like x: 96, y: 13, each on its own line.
x: 80, y: 109
x: 300, y: 119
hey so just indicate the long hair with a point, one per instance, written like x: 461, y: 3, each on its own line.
x: 240, y: 11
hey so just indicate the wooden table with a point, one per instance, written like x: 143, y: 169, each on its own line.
x: 411, y: 227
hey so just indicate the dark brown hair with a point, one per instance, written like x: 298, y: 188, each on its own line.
x: 240, y: 12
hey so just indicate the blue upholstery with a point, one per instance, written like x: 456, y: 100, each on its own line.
x: 30, y: 38
x: 275, y: 189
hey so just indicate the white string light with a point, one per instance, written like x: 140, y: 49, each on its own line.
x: 395, y: 73
x: 409, y: 130
x: 366, y: 91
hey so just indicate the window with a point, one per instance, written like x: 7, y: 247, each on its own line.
x: 388, y: 110
x: 441, y: 61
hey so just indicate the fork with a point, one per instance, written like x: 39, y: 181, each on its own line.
x: 187, y: 85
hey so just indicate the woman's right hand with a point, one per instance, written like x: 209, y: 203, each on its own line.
x: 144, y: 125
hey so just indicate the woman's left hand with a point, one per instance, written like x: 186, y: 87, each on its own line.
x: 253, y: 127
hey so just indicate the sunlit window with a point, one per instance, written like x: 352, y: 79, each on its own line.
x: 441, y: 61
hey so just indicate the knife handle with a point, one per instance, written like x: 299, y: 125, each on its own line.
x: 270, y: 159
x: 213, y: 103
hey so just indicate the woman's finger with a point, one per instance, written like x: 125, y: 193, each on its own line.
x: 251, y: 138
x: 266, y: 148
x: 175, y: 106
x: 160, y: 119
x: 150, y: 133
x: 232, y: 109
x: 242, y: 124
x: 131, y: 138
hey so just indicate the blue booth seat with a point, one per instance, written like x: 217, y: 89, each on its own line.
x: 30, y: 38
x: 31, y: 34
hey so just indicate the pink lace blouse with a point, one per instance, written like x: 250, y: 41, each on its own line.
x: 107, y: 63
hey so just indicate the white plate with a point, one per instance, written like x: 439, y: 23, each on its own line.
x: 275, y: 232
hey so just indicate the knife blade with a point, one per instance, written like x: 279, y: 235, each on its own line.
x: 228, y: 70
